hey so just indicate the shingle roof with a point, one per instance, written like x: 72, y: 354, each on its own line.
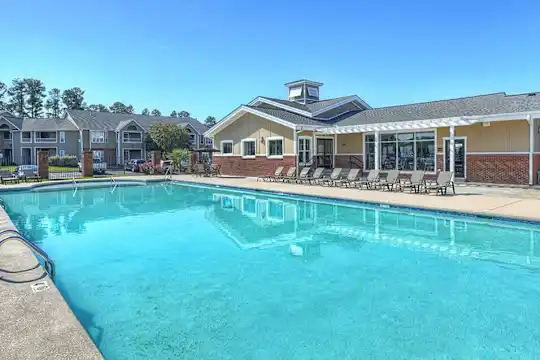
x: 318, y: 105
x: 292, y: 104
x: 288, y: 116
x: 52, y: 124
x: 17, y: 121
x: 498, y: 103
x: 110, y: 121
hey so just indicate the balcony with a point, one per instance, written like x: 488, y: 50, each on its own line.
x: 45, y: 137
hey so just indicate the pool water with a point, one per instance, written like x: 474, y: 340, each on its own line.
x: 183, y: 272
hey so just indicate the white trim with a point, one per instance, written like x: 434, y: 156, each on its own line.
x: 310, y: 154
x: 129, y: 122
x: 275, y: 138
x: 531, y: 149
x: 221, y: 147
x: 96, y: 142
x: 242, y: 148
x: 497, y: 152
x: 31, y: 154
x: 31, y: 137
x: 240, y: 111
x: 341, y: 103
x: 45, y: 142
x: 280, y: 105
x: 15, y: 126
x: 130, y: 132
x: 62, y: 153
x: 350, y: 154
x: 62, y: 137
x: 304, y: 81
x: 464, y: 156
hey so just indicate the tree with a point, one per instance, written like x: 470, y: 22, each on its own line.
x: 145, y: 112
x: 98, y: 107
x: 169, y: 136
x: 73, y: 99
x: 156, y: 112
x: 178, y: 156
x: 52, y: 105
x: 17, y: 98
x: 3, y: 91
x: 121, y: 108
x: 174, y: 114
x: 35, y: 93
x: 210, y: 121
x: 183, y: 114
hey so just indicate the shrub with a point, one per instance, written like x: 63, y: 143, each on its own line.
x: 67, y: 160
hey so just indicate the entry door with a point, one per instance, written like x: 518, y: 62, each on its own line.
x: 325, y: 153
x: 459, y: 156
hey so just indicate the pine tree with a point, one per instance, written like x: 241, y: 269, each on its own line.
x: 156, y: 112
x: 17, y: 98
x: 174, y: 114
x: 73, y: 98
x: 53, y: 104
x: 145, y: 111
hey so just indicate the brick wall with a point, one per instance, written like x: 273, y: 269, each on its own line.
x: 440, y: 162
x: 349, y: 162
x: 236, y: 165
x: 536, y: 167
x: 498, y: 169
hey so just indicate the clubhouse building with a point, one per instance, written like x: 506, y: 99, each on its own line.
x: 492, y: 138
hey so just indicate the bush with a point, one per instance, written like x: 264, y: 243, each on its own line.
x: 68, y: 160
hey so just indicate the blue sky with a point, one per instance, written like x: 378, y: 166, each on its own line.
x: 208, y: 57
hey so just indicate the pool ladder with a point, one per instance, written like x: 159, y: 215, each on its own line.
x: 75, y: 185
x: 17, y: 236
x: 168, y: 174
x: 113, y: 184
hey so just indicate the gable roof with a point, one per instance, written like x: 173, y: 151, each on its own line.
x: 16, y: 121
x: 50, y: 124
x: 489, y: 104
x: 96, y: 120
x: 288, y: 116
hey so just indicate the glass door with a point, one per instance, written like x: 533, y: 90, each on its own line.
x: 325, y: 153
x: 459, y: 156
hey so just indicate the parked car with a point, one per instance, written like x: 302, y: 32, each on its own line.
x: 99, y: 166
x: 134, y: 165
x: 20, y: 170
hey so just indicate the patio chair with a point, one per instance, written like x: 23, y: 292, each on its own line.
x: 303, y: 174
x: 372, y: 178
x: 391, y: 181
x: 415, y: 182
x: 315, y: 177
x: 200, y: 170
x: 7, y: 177
x: 30, y: 175
x: 444, y: 180
x: 289, y: 175
x: 334, y: 176
x: 351, y: 178
x: 215, y: 170
x: 278, y: 172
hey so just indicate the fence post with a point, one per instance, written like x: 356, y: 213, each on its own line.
x: 43, y: 164
x: 87, y: 164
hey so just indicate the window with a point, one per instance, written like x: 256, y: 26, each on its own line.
x: 312, y: 91
x: 274, y: 147
x: 304, y: 150
x: 227, y: 147
x: 294, y: 92
x: 97, y: 137
x: 209, y: 142
x: 402, y: 151
x: 132, y: 137
x: 62, y: 137
x: 62, y: 153
x: 45, y: 136
x: 248, y: 148
x: 7, y: 135
x: 26, y: 137
x: 98, y: 154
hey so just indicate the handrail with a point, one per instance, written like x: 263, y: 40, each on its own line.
x: 75, y: 186
x: 49, y: 264
x: 113, y: 183
x: 168, y: 174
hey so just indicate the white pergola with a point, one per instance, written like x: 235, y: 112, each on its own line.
x: 376, y: 128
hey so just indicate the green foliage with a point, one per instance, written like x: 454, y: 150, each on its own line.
x: 68, y: 160
x: 174, y: 114
x: 156, y: 112
x: 17, y: 98
x: 210, y: 121
x: 35, y: 93
x: 73, y: 98
x: 178, y: 156
x: 169, y: 136
x: 3, y: 92
x: 53, y: 103
x: 149, y: 143
x: 145, y: 112
x: 121, y: 108
x: 183, y: 114
x: 98, y: 107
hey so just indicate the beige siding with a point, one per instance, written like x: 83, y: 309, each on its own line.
x: 500, y: 136
x: 250, y: 126
x: 536, y: 128
x: 350, y: 143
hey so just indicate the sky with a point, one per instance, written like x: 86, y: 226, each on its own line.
x: 208, y: 57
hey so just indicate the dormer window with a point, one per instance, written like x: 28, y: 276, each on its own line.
x: 313, y: 91
x: 295, y: 92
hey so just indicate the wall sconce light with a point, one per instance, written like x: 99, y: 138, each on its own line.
x: 539, y: 129
x: 262, y: 140
x: 486, y: 124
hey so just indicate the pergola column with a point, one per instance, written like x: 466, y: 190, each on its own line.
x: 531, y: 149
x: 452, y: 150
x: 377, y: 157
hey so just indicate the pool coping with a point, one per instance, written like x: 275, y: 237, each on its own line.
x: 426, y: 209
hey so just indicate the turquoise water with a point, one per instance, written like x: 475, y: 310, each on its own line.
x: 177, y: 272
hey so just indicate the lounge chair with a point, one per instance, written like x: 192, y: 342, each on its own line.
x: 444, y: 180
x: 7, y: 177
x: 351, y: 178
x: 372, y: 178
x: 316, y: 176
x: 334, y: 176
x: 392, y: 179
x: 416, y: 181
x: 30, y: 175
x: 200, y: 170
x: 303, y: 176
x: 278, y: 172
x: 290, y: 175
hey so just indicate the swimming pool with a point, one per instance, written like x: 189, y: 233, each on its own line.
x: 175, y: 271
